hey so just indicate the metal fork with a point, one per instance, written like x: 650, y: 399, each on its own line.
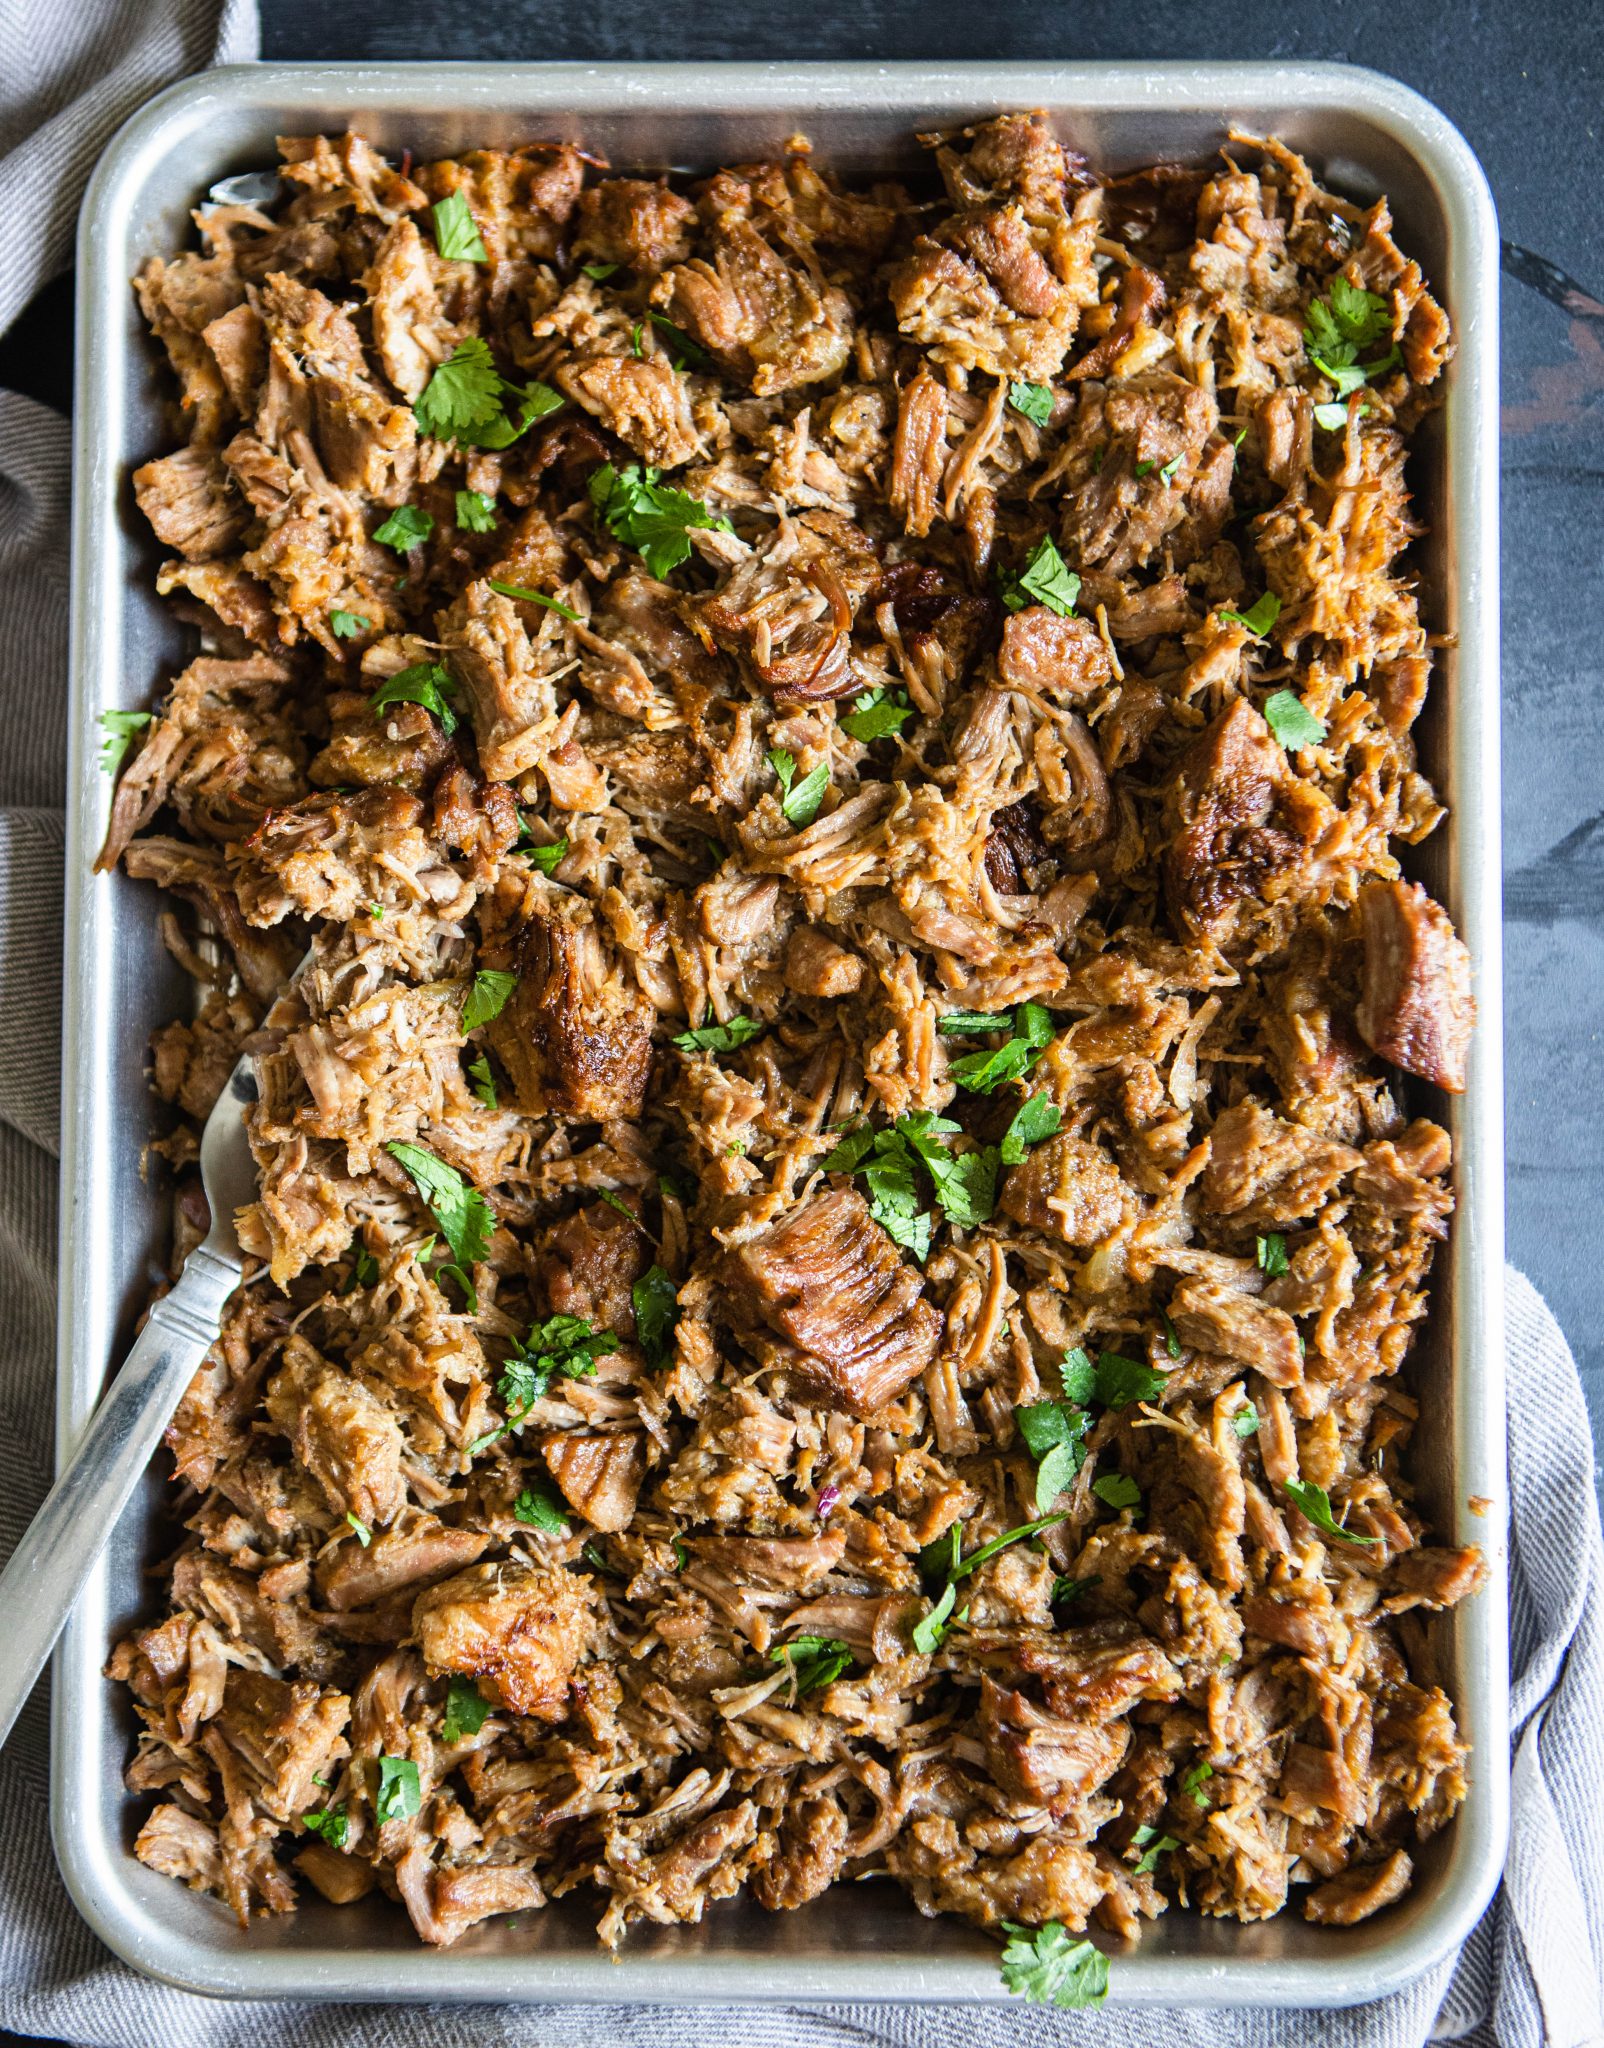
x: 47, y: 1570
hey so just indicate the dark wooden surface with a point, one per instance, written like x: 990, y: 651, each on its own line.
x: 1524, y: 84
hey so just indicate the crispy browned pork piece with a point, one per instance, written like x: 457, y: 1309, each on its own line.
x: 840, y: 1204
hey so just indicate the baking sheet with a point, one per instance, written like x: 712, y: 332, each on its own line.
x: 1365, y: 134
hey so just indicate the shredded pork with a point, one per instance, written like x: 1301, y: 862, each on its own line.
x: 867, y: 980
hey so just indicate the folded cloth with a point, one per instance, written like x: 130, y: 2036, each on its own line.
x: 1530, y: 1973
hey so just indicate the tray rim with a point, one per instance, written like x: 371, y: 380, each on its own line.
x: 95, y: 1866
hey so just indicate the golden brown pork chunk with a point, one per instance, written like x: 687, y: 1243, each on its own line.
x: 831, y: 1283
x: 1417, y: 1009
x: 575, y: 1036
x: 517, y: 1630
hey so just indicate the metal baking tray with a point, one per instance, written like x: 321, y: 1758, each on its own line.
x: 1366, y: 135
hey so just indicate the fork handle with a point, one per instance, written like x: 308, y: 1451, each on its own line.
x: 59, y: 1547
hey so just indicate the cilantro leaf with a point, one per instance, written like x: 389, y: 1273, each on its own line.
x: 538, y: 1508
x: 719, y: 1037
x: 531, y: 402
x: 1033, y: 402
x: 1046, y: 578
x: 1172, y: 1337
x: 982, y: 1073
x: 1266, y: 610
x: 913, y: 1233
x: 932, y: 1631
x: 399, y: 1795
x: 1055, y: 1472
x: 1121, y: 1380
x: 655, y: 1300
x: 487, y: 997
x: 407, y: 527
x: 484, y: 1082
x: 813, y: 1661
x: 476, y: 513
x: 1065, y: 1588
x: 875, y: 714
x: 1246, y: 1421
x: 1153, y: 1845
x: 1271, y: 1252
x: 684, y: 349
x: 1049, y: 1967
x: 1036, y: 1119
x: 466, y: 1708
x: 800, y: 801
x: 965, y: 1023
x: 652, y: 518
x: 1193, y: 1782
x: 1292, y: 722
x: 987, y: 1551
x: 331, y: 1822
x: 1143, y: 468
x: 462, y: 394
x: 939, y: 1557
x: 1314, y: 1504
x: 1078, y: 1375
x: 119, y: 728
x: 1334, y: 417
x: 1117, y: 1491
x: 1167, y: 474
x: 456, y: 233
x: 347, y: 625
x: 599, y: 271
x: 1362, y: 316
x: 466, y: 1219
x: 426, y: 683
x: 364, y: 1535
x: 528, y: 596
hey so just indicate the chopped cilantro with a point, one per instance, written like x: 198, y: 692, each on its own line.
x: 1314, y: 1504
x: 1168, y: 473
x: 119, y: 728
x: 1049, y: 1967
x: 1055, y: 1433
x: 466, y: 1708
x: 1172, y: 1338
x: 484, y: 1082
x: 931, y: 1632
x: 487, y: 997
x: 684, y: 350
x: 347, y: 625
x: 1117, y: 1491
x: 719, y: 1037
x: 876, y: 714
x: 528, y: 596
x: 1046, y: 578
x: 1033, y: 402
x: 407, y: 527
x: 987, y: 1551
x: 1271, y: 1252
x: 983, y: 1072
x: 331, y: 1822
x: 1266, y: 610
x: 655, y: 1300
x: 1121, y: 1380
x: 1337, y: 327
x: 800, y: 801
x: 652, y: 518
x: 1035, y: 1119
x: 1077, y: 1375
x: 598, y: 1560
x: 538, y: 1508
x: 813, y: 1661
x: 399, y: 1795
x: 1153, y: 1845
x: 475, y: 512
x: 364, y: 1535
x: 1193, y: 1782
x: 467, y: 399
x: 1246, y: 1420
x: 1070, y: 1589
x: 1142, y: 468
x: 966, y: 1023
x: 599, y: 271
x: 1333, y: 417
x: 426, y: 683
x: 1292, y: 722
x: 466, y: 1219
x: 462, y: 394
x: 456, y: 233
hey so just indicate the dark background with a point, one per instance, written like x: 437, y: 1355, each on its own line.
x: 1524, y: 85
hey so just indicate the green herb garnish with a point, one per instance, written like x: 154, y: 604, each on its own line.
x: 426, y: 683
x: 1049, y: 1966
x: 487, y: 997
x: 407, y: 527
x: 1266, y: 610
x: 399, y: 1795
x: 813, y: 1661
x: 1033, y: 402
x: 466, y: 1708
x: 528, y: 596
x: 456, y: 233
x: 800, y: 801
x: 1035, y: 1120
x: 1292, y: 722
x: 719, y: 1037
x: 331, y: 1822
x: 347, y: 625
x: 1046, y: 578
x: 538, y: 1508
x: 654, y: 1298
x: 119, y: 728
x: 475, y: 512
x: 466, y: 1219
x: 652, y: 518
x: 876, y: 714
x: 1314, y: 1504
